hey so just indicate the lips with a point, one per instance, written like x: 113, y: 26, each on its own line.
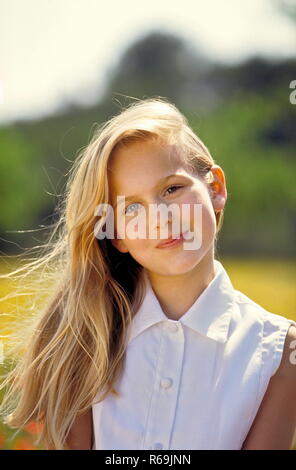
x: 170, y: 241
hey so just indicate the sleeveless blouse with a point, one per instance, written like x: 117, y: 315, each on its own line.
x: 195, y: 383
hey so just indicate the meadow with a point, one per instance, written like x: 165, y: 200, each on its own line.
x: 269, y: 282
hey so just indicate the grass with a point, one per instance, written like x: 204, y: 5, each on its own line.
x: 270, y: 283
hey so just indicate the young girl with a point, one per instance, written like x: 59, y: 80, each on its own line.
x: 145, y: 343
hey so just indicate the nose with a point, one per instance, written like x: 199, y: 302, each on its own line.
x: 167, y: 218
x: 164, y: 215
x: 160, y: 215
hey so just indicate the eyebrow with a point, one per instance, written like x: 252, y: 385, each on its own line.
x: 165, y: 178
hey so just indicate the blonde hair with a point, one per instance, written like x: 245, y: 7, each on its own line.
x: 76, y: 343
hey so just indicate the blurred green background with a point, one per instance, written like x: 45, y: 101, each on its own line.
x: 243, y: 114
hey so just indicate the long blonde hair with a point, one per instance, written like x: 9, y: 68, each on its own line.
x: 74, y: 347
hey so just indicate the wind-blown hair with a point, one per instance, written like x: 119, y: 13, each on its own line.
x: 72, y: 349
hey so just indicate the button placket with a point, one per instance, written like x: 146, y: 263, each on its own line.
x: 166, y: 382
x: 158, y: 445
x: 165, y: 395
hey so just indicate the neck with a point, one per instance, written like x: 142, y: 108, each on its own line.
x: 176, y: 294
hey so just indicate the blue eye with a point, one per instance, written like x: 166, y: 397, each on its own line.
x: 131, y: 205
x: 126, y: 211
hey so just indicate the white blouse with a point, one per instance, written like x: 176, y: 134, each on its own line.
x: 195, y: 383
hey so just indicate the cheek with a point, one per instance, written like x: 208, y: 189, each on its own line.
x: 135, y: 228
x: 135, y: 235
x: 189, y: 205
x: 201, y: 211
x: 140, y: 250
x: 126, y: 227
x: 208, y: 222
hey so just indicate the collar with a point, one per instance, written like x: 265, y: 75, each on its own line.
x: 209, y: 315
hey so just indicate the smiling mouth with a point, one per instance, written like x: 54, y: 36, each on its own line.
x: 170, y: 242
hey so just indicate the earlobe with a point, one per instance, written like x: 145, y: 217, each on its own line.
x: 218, y: 202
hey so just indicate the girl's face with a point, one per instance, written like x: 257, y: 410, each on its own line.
x: 138, y: 173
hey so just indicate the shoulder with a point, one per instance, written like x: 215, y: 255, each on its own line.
x: 287, y: 368
x: 274, y: 335
x: 248, y: 305
x: 275, y: 422
x: 270, y: 321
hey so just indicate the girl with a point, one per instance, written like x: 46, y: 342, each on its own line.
x: 145, y: 343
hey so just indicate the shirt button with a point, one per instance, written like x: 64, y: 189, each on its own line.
x: 158, y: 445
x: 166, y: 383
x: 173, y: 327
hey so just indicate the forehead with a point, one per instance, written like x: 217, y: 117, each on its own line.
x: 139, y: 165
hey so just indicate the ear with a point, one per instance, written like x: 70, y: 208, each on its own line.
x: 218, y: 190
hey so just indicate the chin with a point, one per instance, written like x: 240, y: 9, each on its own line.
x: 177, y: 267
